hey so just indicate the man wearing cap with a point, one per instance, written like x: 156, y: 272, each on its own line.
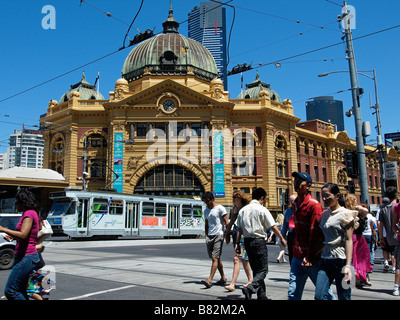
x: 308, y: 238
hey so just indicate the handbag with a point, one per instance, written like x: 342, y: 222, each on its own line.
x: 45, y: 232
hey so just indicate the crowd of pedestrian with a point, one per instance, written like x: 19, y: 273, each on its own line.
x: 333, y: 243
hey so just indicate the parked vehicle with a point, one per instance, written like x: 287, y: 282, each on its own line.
x: 10, y: 221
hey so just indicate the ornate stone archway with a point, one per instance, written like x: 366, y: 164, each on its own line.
x: 169, y: 179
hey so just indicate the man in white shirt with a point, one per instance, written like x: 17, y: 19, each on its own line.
x: 253, y: 222
x: 216, y: 219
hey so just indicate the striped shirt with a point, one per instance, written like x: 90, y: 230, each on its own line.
x: 308, y: 239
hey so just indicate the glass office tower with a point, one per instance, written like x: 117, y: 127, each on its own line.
x: 207, y: 25
x: 326, y: 109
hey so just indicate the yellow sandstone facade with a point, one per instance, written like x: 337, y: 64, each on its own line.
x: 169, y: 128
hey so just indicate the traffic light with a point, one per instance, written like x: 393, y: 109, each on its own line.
x: 351, y: 163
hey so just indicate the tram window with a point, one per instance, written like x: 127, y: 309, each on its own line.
x: 148, y: 208
x: 59, y: 208
x: 100, y: 206
x: 186, y: 210
x: 116, y: 207
x: 161, y: 209
x: 197, y: 211
x: 71, y: 209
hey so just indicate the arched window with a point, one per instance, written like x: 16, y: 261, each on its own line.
x: 96, y: 144
x: 315, y: 151
x: 169, y: 180
x: 57, y: 155
x: 243, y: 157
x: 280, y: 143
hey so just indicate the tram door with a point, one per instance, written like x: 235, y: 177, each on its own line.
x: 82, y: 211
x: 173, y: 220
x: 131, y: 218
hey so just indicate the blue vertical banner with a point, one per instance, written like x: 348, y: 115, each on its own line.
x: 118, y: 161
x: 219, y: 181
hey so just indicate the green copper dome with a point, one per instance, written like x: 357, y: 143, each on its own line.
x: 87, y: 91
x: 253, y: 90
x: 169, y: 53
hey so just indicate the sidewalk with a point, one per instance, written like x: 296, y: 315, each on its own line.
x: 382, y: 283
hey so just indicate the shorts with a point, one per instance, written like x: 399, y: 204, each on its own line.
x: 214, y: 246
x: 387, y: 247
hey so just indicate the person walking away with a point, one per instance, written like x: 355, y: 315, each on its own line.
x: 337, y: 224
x: 26, y: 256
x: 239, y: 201
x: 386, y: 254
x: 388, y: 242
x: 253, y: 222
x: 308, y: 238
x: 288, y: 227
x: 215, y: 220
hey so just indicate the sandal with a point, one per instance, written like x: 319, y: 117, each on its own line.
x: 221, y: 281
x: 206, y: 283
x: 229, y: 288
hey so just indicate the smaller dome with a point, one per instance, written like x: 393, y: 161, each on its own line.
x: 86, y: 90
x: 253, y: 90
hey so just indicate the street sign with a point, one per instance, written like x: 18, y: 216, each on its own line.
x: 393, y: 135
x: 391, y: 172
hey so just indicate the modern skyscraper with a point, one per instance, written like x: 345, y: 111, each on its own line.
x: 26, y: 149
x: 207, y: 25
x: 326, y: 109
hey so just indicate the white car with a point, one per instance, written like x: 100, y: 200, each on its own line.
x: 10, y: 221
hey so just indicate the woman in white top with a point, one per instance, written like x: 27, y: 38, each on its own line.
x: 337, y: 224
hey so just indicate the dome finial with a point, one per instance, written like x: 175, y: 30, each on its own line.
x: 170, y: 24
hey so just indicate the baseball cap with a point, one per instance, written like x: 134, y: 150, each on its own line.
x: 303, y: 176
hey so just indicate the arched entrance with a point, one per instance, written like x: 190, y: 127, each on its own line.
x: 169, y: 180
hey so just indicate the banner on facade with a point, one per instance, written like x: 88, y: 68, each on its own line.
x: 219, y: 181
x: 118, y: 161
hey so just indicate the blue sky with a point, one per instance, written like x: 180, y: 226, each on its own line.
x: 263, y: 32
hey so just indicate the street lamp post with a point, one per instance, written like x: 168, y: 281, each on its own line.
x: 379, y: 141
x: 378, y: 124
x: 355, y: 92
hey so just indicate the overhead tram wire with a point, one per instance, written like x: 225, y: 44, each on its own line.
x: 324, y: 47
x: 127, y: 32
x: 82, y: 66
x: 262, y: 65
x: 108, y: 14
x: 75, y: 69
x: 287, y: 19
x: 59, y: 76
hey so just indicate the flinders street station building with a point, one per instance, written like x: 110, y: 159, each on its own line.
x: 169, y: 128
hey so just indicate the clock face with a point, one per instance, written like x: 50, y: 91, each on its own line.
x: 168, y: 105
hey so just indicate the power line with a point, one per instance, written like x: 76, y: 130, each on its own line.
x: 59, y: 76
x: 286, y: 18
x: 108, y: 14
x: 326, y: 47
x: 137, y: 13
x: 261, y: 65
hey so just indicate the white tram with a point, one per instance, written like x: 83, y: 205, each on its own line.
x: 83, y: 214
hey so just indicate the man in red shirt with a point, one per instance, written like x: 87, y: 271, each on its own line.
x: 308, y: 238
